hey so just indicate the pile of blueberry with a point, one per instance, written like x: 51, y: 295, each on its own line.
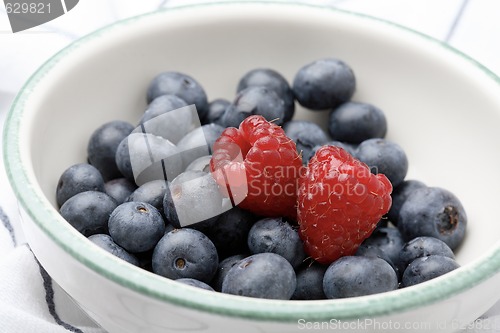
x: 238, y: 251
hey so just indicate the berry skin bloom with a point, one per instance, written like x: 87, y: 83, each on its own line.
x: 339, y: 204
x: 258, y: 167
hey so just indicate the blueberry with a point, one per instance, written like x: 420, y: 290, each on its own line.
x: 76, y: 179
x: 382, y: 223
x: 263, y: 275
x: 265, y: 77
x: 373, y: 251
x: 356, y: 122
x: 185, y: 253
x: 143, y: 157
x: 88, y: 212
x: 152, y: 193
x: 399, y: 196
x: 423, y: 247
x: 350, y: 148
x: 106, y: 242
x: 324, y: 84
x: 434, y: 212
x: 145, y: 260
x: 101, y: 148
x: 182, y: 86
x: 169, y: 117
x: 389, y: 240
x: 168, y: 228
x: 195, y: 283
x: 200, y: 164
x: 254, y: 101
x: 383, y: 156
x: 224, y: 267
x: 119, y: 189
x: 427, y: 268
x: 199, y: 142
x: 306, y: 135
x: 229, y: 232
x: 277, y: 236
x: 122, y: 160
x: 352, y: 276
x: 161, y: 105
x: 136, y: 226
x: 193, y: 197
x: 216, y: 110
x: 310, y: 282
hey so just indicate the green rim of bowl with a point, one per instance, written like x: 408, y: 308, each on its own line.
x: 145, y: 283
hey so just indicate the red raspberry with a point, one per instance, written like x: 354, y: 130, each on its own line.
x: 339, y: 204
x: 258, y: 167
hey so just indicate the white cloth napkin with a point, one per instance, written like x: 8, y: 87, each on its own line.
x: 30, y: 301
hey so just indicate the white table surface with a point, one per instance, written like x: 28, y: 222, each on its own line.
x: 471, y: 26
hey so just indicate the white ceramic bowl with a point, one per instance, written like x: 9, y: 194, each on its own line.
x: 443, y: 108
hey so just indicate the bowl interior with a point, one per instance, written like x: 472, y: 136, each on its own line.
x: 441, y: 108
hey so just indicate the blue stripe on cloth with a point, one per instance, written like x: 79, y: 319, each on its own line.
x: 8, y: 226
x: 455, y: 22
x: 163, y: 4
x: 49, y: 299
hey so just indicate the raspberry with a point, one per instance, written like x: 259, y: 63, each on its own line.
x: 339, y: 204
x: 258, y: 167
